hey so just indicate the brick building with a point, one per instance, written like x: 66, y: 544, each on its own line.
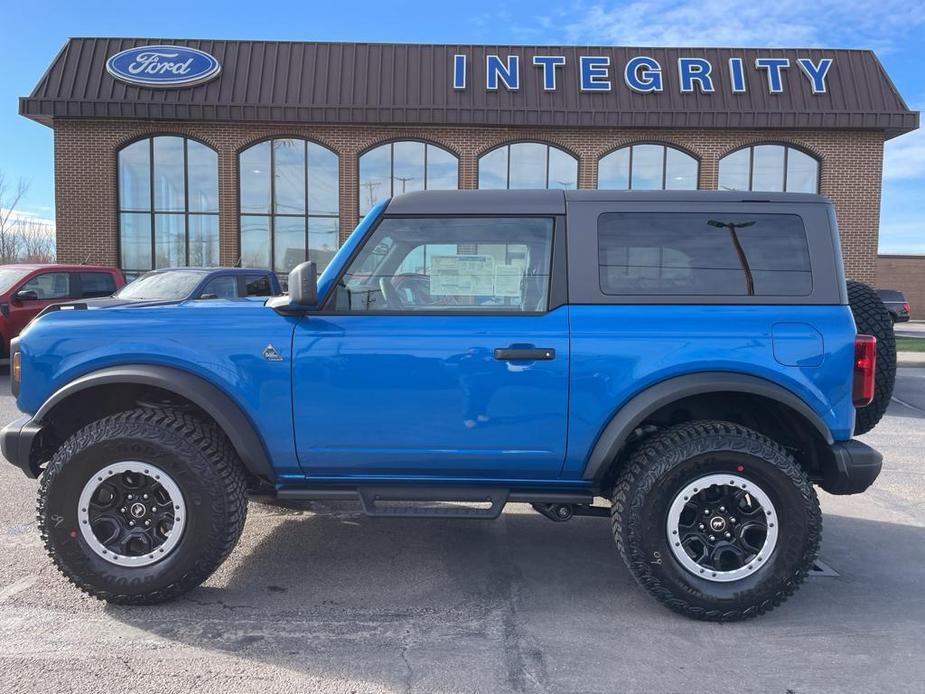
x: 265, y: 153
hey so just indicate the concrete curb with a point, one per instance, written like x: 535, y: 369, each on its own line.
x: 910, y: 359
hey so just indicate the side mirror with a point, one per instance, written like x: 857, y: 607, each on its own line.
x: 208, y: 296
x: 303, y: 285
x: 25, y: 295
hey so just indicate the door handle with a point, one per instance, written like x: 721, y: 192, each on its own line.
x: 525, y: 353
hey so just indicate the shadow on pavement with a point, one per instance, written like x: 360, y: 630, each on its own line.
x: 519, y: 602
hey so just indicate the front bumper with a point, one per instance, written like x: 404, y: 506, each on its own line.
x: 853, y: 468
x: 16, y: 441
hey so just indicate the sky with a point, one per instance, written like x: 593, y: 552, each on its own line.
x: 32, y: 32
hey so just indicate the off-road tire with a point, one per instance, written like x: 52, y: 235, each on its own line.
x: 204, y: 466
x: 873, y: 318
x: 675, y: 457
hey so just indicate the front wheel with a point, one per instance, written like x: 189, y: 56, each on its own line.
x: 716, y: 521
x: 140, y: 507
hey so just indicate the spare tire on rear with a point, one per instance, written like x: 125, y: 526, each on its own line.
x: 872, y: 318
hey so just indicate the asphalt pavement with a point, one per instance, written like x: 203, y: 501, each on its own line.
x: 337, y: 602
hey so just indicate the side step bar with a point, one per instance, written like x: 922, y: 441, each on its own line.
x: 387, y: 501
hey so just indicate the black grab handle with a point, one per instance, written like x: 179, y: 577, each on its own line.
x: 525, y: 353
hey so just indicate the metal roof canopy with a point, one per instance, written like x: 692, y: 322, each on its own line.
x: 410, y: 84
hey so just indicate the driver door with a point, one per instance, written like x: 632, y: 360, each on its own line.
x: 47, y: 288
x: 441, y: 355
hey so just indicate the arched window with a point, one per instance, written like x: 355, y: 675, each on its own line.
x: 401, y: 167
x: 528, y: 165
x: 647, y: 167
x: 773, y: 168
x: 289, y: 204
x: 168, y: 204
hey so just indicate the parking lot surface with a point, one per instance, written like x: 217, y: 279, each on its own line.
x: 337, y: 602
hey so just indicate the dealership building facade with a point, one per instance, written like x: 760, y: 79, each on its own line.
x: 172, y: 152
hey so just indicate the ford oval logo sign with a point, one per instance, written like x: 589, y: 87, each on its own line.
x: 163, y: 66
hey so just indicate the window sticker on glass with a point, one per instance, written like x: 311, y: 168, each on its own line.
x: 508, y: 280
x: 461, y: 275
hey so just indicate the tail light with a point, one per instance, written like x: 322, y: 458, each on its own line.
x: 906, y: 307
x: 865, y: 365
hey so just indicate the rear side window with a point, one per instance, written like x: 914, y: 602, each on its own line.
x: 257, y: 286
x: 703, y: 254
x: 96, y: 284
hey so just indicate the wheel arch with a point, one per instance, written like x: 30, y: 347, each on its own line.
x: 616, y: 434
x: 205, y: 396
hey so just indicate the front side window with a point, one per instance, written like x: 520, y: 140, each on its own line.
x: 49, y: 285
x: 703, y: 254
x: 289, y: 204
x: 168, y: 204
x: 770, y: 168
x: 223, y: 287
x: 402, y: 167
x: 528, y: 165
x: 647, y: 167
x: 451, y: 264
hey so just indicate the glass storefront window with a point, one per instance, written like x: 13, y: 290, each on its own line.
x: 402, y: 167
x: 528, y: 165
x: 771, y: 168
x: 647, y: 167
x: 289, y: 192
x: 168, y: 204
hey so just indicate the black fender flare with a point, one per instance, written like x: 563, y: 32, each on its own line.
x: 237, y: 426
x: 614, y: 436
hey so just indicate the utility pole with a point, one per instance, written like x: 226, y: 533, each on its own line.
x: 371, y: 188
x: 404, y: 181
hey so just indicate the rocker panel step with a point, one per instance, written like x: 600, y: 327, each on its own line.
x: 371, y: 496
x: 497, y: 497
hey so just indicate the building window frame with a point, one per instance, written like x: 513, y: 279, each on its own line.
x: 787, y: 146
x: 151, y: 212
x: 507, y: 145
x: 271, y: 214
x: 390, y: 143
x: 665, y: 147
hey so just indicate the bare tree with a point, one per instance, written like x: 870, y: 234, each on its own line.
x: 10, y: 197
x: 36, y: 242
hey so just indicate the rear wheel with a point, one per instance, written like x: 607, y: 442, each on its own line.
x: 716, y: 521
x: 873, y: 318
x: 142, y: 506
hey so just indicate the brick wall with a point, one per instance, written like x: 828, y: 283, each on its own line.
x: 907, y: 274
x: 86, y: 177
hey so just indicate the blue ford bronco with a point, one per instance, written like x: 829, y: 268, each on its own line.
x: 695, y: 359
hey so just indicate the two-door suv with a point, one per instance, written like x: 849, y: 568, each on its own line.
x: 691, y: 357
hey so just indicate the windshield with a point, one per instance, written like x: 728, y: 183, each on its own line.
x: 161, y: 285
x: 9, y: 276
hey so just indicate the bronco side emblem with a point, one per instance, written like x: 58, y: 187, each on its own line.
x: 271, y: 354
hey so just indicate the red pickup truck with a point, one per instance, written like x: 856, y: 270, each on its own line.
x: 27, y: 289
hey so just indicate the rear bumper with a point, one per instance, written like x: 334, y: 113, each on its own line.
x: 16, y: 440
x: 853, y: 469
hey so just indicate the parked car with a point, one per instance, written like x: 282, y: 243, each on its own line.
x: 172, y: 285
x: 25, y: 290
x: 896, y: 303
x: 693, y: 358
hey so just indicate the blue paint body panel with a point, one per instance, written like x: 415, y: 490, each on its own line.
x: 424, y: 395
x: 618, y: 351
x: 204, y: 338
